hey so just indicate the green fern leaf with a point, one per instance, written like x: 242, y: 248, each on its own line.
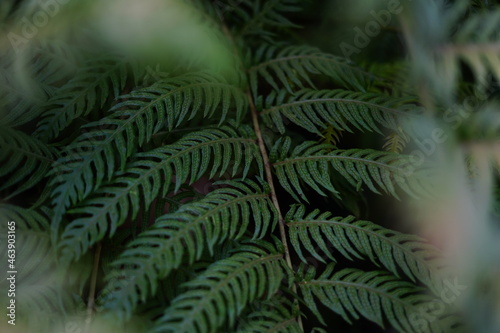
x: 377, y: 296
x: 38, y: 279
x: 292, y: 65
x: 476, y: 42
x: 393, y: 250
x: 88, y: 91
x: 396, y: 141
x: 46, y: 64
x: 150, y: 175
x: 26, y: 219
x: 274, y: 315
x: 93, y: 157
x: 223, y: 214
x: 220, y: 293
x: 16, y: 106
x: 315, y: 110
x: 257, y: 17
x: 24, y: 159
x: 311, y: 162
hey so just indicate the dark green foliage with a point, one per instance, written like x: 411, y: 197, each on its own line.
x: 255, y: 18
x: 23, y: 159
x: 148, y: 188
x: 395, y: 251
x: 221, y: 292
x: 223, y: 214
x: 315, y: 110
x: 312, y: 162
x: 374, y: 295
x: 274, y: 315
x: 87, y: 91
x: 151, y: 175
x: 293, y: 66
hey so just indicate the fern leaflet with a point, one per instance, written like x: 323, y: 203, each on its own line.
x: 148, y: 176
x: 133, y: 121
x: 377, y: 296
x: 28, y: 160
x: 274, y: 315
x: 295, y: 64
x: 315, y: 110
x: 311, y: 163
x: 256, y: 16
x: 363, y: 239
x: 88, y: 90
x: 220, y: 293
x: 223, y: 214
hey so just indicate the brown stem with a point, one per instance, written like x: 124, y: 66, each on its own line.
x: 269, y: 177
x: 274, y: 197
x: 267, y: 167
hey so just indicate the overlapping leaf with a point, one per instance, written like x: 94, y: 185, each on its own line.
x: 312, y: 163
x: 378, y: 296
x: 150, y: 175
x: 256, y: 18
x: 291, y: 66
x: 24, y: 160
x: 316, y: 110
x: 219, y: 295
x: 98, y: 153
x: 86, y: 92
x: 225, y: 213
x: 320, y: 233
x: 274, y: 315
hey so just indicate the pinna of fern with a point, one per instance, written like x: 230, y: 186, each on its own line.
x: 223, y: 214
x: 148, y: 176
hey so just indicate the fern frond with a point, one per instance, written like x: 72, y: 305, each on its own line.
x: 257, y: 18
x: 274, y: 315
x: 26, y: 219
x: 220, y: 294
x: 315, y: 110
x: 312, y: 163
x: 331, y: 135
x: 378, y: 296
x: 395, y: 78
x: 396, y: 141
x: 17, y: 107
x: 393, y: 250
x: 45, y: 64
x: 86, y: 92
x: 292, y: 65
x: 38, y: 279
x: 94, y: 156
x: 50, y: 62
x: 150, y: 175
x: 23, y: 159
x: 223, y: 214
x: 476, y: 42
